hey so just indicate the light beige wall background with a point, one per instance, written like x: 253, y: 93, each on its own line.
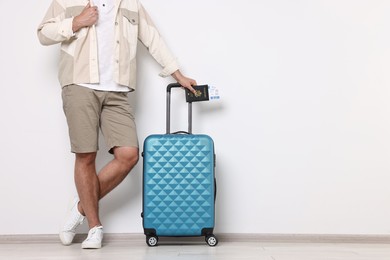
x: 301, y: 132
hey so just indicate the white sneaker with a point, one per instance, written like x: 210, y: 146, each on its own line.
x: 94, y: 239
x: 73, y: 220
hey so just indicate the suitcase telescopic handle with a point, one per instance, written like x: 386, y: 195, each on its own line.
x: 168, y: 130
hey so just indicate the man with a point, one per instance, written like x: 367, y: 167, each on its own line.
x: 97, y: 69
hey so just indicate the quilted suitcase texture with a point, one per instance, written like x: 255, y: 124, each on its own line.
x: 178, y: 185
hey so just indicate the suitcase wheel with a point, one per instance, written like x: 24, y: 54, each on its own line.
x: 151, y: 240
x: 211, y: 240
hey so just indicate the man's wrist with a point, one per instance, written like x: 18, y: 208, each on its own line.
x: 177, y: 75
x: 76, y: 25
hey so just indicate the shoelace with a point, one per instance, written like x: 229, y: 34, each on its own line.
x: 90, y: 234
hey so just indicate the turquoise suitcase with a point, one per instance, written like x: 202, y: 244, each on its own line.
x: 179, y: 186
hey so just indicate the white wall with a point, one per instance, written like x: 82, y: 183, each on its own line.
x: 301, y: 132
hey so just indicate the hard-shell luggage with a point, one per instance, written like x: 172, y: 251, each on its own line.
x: 179, y: 186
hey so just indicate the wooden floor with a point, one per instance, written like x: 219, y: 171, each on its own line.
x: 133, y: 250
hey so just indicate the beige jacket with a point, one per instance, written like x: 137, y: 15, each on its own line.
x: 79, y: 58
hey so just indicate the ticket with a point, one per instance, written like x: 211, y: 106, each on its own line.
x: 213, y: 93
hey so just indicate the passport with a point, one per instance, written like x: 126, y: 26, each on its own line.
x: 202, y: 94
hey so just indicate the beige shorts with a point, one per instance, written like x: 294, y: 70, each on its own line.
x: 89, y: 110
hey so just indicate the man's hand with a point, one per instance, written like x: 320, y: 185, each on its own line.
x: 184, y: 81
x: 88, y: 17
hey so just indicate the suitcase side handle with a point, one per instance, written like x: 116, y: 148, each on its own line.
x: 168, y: 112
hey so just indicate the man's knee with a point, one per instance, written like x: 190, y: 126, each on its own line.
x: 86, y: 158
x: 128, y: 156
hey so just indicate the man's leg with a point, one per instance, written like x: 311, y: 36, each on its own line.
x: 92, y: 187
x: 82, y: 107
x: 125, y: 158
x: 88, y: 187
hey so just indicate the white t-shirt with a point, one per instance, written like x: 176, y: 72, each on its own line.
x: 105, y: 32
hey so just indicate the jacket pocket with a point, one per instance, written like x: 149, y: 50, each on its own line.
x: 130, y: 20
x: 131, y: 16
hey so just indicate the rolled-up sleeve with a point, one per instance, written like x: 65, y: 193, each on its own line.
x: 55, y: 28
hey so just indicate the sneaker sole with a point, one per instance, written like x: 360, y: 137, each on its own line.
x: 91, y: 246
